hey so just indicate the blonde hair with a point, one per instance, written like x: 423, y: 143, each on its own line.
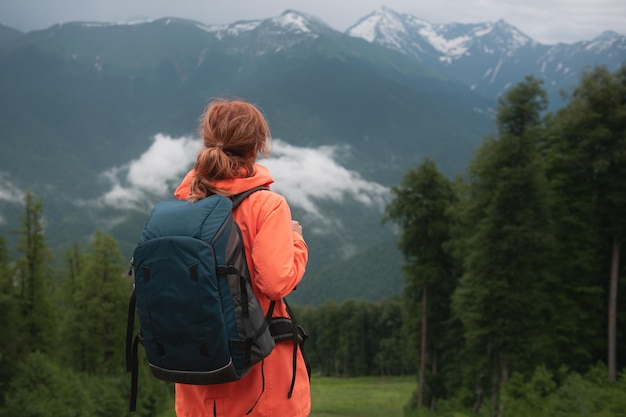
x: 233, y: 131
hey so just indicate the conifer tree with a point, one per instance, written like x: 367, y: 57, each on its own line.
x: 592, y: 142
x: 96, y: 316
x: 324, y: 331
x: 8, y: 319
x: 73, y: 262
x: 35, y: 283
x: 576, y: 292
x: 421, y: 207
x: 500, y: 297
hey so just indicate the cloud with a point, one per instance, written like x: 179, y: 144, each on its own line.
x: 305, y: 176
x: 9, y: 192
x: 165, y: 161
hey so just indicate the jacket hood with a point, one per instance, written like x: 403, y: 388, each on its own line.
x: 261, y: 177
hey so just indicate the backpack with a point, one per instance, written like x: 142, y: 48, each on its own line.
x: 200, y: 322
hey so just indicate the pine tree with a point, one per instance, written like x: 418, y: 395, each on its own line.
x: 9, y: 319
x: 70, y: 319
x: 576, y: 292
x: 593, y: 144
x: 421, y: 208
x: 96, y: 310
x: 500, y: 294
x: 35, y: 283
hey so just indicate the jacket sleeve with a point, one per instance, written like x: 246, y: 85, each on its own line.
x: 278, y: 253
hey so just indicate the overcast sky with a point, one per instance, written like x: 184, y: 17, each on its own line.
x: 546, y: 21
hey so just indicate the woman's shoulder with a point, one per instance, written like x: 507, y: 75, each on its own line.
x: 267, y: 198
x: 267, y: 203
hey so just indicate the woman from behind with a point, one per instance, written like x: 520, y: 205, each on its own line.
x: 234, y: 133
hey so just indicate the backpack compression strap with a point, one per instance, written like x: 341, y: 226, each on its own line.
x: 132, y: 364
x: 280, y: 327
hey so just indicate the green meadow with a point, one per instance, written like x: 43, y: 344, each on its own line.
x: 361, y: 396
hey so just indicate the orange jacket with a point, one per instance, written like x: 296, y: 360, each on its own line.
x: 277, y: 258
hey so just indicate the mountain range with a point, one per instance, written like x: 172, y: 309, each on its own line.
x: 490, y: 57
x: 98, y: 119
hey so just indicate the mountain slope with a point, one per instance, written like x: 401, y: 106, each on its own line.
x: 122, y: 47
x: 8, y: 34
x: 373, y: 274
x: 86, y: 100
x: 82, y: 102
x: 108, y: 87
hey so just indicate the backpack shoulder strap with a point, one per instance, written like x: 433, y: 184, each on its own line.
x: 281, y: 328
x: 238, y: 198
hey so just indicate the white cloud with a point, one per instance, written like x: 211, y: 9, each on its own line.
x: 9, y: 192
x: 303, y: 175
x: 166, y: 160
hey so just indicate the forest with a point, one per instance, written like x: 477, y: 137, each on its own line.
x: 511, y: 304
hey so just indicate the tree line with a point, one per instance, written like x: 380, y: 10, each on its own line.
x: 63, y: 321
x: 511, y: 283
x: 63, y: 318
x: 516, y: 267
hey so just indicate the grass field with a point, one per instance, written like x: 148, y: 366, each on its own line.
x: 355, y: 397
x: 360, y: 397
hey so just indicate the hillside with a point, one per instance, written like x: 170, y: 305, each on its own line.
x: 83, y: 99
x: 86, y: 105
x: 8, y: 34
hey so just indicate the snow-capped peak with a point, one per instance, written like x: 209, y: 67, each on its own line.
x: 297, y: 21
x: 292, y: 21
x: 383, y: 23
x: 606, y: 41
x: 289, y: 21
x: 410, y: 34
x: 391, y: 29
x: 237, y: 28
x: 272, y: 34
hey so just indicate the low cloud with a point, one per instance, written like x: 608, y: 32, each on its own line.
x: 9, y: 193
x: 153, y: 173
x: 304, y: 176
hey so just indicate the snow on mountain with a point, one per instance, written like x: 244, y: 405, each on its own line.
x: 236, y: 29
x: 272, y: 34
x: 297, y: 22
x: 394, y: 30
x: 385, y: 26
x: 288, y: 23
x: 418, y: 37
x: 605, y: 42
x: 489, y: 57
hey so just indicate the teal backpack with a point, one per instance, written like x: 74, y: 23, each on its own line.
x: 200, y: 322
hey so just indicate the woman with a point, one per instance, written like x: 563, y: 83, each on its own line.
x: 234, y: 133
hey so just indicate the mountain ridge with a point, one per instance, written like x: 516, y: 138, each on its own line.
x: 490, y: 57
x: 85, y: 101
x: 90, y: 98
